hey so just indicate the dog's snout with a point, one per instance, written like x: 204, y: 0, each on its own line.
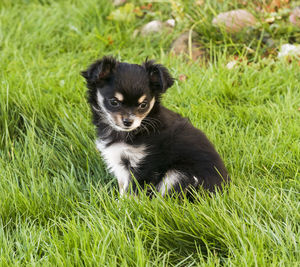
x: 127, y: 122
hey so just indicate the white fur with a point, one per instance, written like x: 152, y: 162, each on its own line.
x: 172, y: 177
x: 196, y: 180
x: 112, y: 156
x: 108, y: 117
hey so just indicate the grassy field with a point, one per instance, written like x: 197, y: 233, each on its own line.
x: 59, y: 205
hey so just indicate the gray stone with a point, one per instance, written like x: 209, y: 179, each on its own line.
x: 170, y: 23
x: 289, y: 50
x: 152, y: 27
x: 181, y: 46
x: 235, y: 20
x: 156, y: 26
x: 295, y: 16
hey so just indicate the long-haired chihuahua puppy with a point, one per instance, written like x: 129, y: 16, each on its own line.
x: 141, y: 141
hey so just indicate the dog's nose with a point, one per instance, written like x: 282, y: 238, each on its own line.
x: 127, y: 122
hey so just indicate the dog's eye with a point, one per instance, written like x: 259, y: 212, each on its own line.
x: 143, y: 105
x: 114, y: 102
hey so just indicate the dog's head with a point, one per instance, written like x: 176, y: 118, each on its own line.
x: 124, y: 94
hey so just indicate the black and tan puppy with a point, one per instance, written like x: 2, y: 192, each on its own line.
x: 140, y: 138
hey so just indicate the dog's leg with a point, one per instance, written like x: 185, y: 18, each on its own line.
x: 123, y: 177
x: 123, y: 186
x: 176, y: 181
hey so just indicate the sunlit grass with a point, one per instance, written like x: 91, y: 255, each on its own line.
x: 58, y: 203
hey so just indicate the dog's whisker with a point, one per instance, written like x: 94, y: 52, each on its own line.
x: 152, y: 123
x: 146, y: 129
x: 144, y: 125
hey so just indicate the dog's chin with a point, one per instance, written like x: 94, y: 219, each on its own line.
x: 124, y: 129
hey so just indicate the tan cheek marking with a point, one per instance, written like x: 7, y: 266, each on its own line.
x: 151, y: 104
x: 141, y: 99
x: 119, y: 96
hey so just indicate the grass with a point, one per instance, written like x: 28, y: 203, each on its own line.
x: 59, y: 205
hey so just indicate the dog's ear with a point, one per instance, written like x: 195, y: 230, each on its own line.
x: 100, y: 70
x: 159, y: 77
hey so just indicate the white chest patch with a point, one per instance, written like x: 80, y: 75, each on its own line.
x: 113, y: 155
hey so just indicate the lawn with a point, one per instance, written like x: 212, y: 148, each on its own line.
x: 59, y: 205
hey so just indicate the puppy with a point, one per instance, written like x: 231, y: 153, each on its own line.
x: 141, y: 141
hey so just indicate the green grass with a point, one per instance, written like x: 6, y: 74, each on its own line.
x: 58, y: 203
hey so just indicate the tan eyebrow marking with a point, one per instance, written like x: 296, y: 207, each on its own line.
x: 142, y: 98
x: 119, y: 96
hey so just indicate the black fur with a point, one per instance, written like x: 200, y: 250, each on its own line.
x: 172, y: 141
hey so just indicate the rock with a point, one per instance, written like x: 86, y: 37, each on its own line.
x: 152, y: 27
x: 289, y: 50
x: 295, y: 16
x: 170, y: 23
x: 156, y: 26
x: 181, y: 46
x: 235, y: 20
x: 118, y: 2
